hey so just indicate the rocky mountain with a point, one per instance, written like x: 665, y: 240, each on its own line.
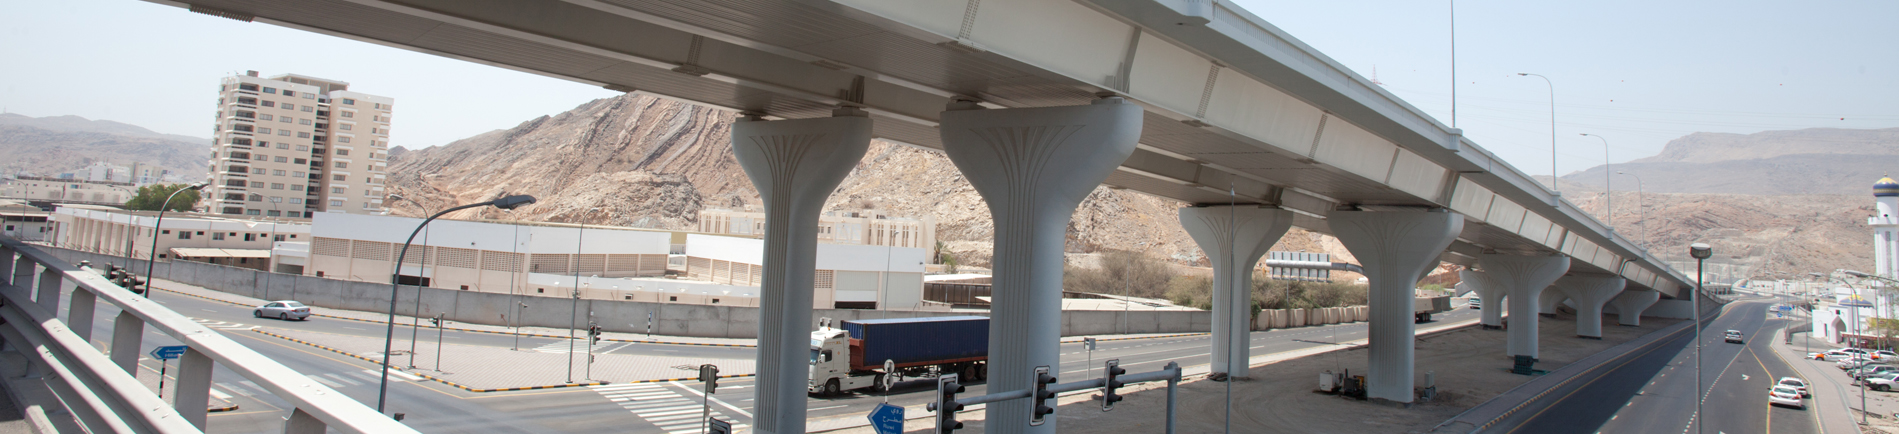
x: 653, y: 162
x: 55, y: 144
x: 1809, y: 161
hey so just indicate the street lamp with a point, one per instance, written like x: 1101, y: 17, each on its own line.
x: 1552, y: 86
x: 382, y: 392
x: 579, y: 240
x: 1640, y: 205
x: 152, y: 259
x: 1608, y: 187
x: 415, y: 320
x: 1701, y: 252
x: 270, y: 261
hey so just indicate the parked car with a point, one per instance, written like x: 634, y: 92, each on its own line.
x: 1870, y: 370
x: 1734, y: 337
x: 1796, y: 384
x: 284, y: 310
x: 1883, y: 355
x: 1476, y: 303
x: 1882, y: 382
x: 1837, y: 355
x: 1854, y: 363
x: 1787, y: 396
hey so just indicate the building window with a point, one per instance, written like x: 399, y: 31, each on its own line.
x: 250, y: 212
x: 261, y: 157
x: 285, y: 133
x: 263, y: 131
x: 303, y: 135
x: 296, y: 187
x: 339, y: 178
x: 217, y: 236
x: 308, y: 108
x: 259, y: 170
x: 349, y: 114
x: 257, y: 198
x: 348, y: 101
x: 672, y: 298
x: 289, y: 106
x: 288, y: 92
x: 250, y: 237
x: 286, y: 119
x: 336, y: 203
x: 276, y: 186
x: 282, y: 159
x: 295, y: 214
x: 344, y: 139
x: 184, y: 235
x: 277, y: 173
x: 249, y: 87
x: 341, y: 152
x: 336, y: 190
x: 344, y: 126
x: 302, y: 148
x: 309, y: 96
x: 265, y: 117
x: 298, y: 175
x: 295, y: 200
x: 270, y: 90
x: 268, y: 103
x: 342, y: 165
x: 302, y: 161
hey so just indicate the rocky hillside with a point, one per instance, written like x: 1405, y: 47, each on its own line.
x: 51, y: 145
x: 652, y: 162
x: 1810, y: 161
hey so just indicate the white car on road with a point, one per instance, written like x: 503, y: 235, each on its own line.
x: 1783, y: 395
x: 1795, y: 383
x: 284, y: 310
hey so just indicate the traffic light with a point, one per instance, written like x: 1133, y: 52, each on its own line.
x: 946, y: 405
x: 1108, y: 395
x: 437, y: 321
x: 594, y: 331
x: 1043, y: 398
x: 710, y: 375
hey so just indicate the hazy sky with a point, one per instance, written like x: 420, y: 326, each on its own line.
x: 1639, y: 73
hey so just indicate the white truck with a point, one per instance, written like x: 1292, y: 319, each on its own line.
x: 854, y: 356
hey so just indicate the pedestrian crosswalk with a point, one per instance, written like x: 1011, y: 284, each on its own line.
x: 222, y: 325
x: 662, y: 406
x: 366, y: 377
x: 580, y: 347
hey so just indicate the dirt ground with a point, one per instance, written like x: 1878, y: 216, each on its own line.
x: 1469, y: 364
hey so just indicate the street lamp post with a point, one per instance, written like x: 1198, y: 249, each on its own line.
x: 395, y: 278
x: 580, y: 240
x: 1701, y: 253
x: 1640, y: 205
x: 415, y: 319
x: 269, y: 261
x: 1552, y: 86
x: 152, y: 259
x: 1608, y: 186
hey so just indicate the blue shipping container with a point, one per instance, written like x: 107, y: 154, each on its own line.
x: 918, y: 341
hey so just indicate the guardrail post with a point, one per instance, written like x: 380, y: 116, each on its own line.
x: 127, y: 330
x: 23, y: 271
x: 303, y: 423
x: 6, y: 262
x: 191, y: 395
x: 50, y: 280
x: 79, y: 313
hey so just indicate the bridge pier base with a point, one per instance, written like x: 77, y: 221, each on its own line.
x: 796, y: 165
x: 1525, y: 277
x: 1491, y: 292
x: 1395, y: 248
x: 1234, y: 238
x: 1630, y: 304
x: 1033, y: 166
x: 1590, y: 292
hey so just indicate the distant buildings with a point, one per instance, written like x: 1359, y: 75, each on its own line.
x: 23, y: 221
x: 293, y: 145
x: 857, y: 227
x: 200, y: 237
x: 73, y: 191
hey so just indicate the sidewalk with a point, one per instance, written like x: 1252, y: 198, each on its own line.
x: 494, y: 369
x: 1831, y: 388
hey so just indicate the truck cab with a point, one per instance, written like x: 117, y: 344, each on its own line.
x: 831, y: 371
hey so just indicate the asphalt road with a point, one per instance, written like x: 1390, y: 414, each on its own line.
x: 646, y: 408
x: 1654, y: 390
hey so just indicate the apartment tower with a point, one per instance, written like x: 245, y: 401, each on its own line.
x: 291, y: 145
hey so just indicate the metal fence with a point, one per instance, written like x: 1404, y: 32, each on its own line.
x: 102, y: 392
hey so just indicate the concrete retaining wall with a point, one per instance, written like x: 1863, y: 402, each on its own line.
x: 671, y: 319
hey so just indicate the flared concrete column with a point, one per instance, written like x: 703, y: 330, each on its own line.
x: 1588, y: 292
x: 1234, y: 237
x: 1549, y: 300
x: 1526, y: 277
x: 1630, y: 304
x: 1033, y: 166
x: 795, y: 164
x: 1394, y: 248
x: 1491, y: 292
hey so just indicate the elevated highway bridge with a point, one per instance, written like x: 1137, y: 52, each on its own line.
x: 1040, y: 101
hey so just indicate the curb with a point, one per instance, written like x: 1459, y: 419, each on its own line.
x: 233, y: 407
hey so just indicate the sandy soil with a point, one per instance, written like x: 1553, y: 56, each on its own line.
x: 1469, y: 364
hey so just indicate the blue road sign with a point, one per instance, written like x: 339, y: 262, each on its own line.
x: 168, y: 353
x: 887, y: 419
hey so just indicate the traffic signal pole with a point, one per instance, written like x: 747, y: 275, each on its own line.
x: 1170, y: 374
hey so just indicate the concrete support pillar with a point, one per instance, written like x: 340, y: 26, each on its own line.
x: 1525, y: 277
x: 1234, y: 237
x: 1549, y: 300
x: 1630, y: 304
x: 1588, y: 292
x: 1394, y: 248
x: 795, y: 164
x: 1033, y: 166
x: 1491, y: 292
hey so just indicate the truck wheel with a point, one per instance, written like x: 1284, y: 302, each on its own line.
x: 877, y: 384
x: 982, y: 372
x: 830, y: 388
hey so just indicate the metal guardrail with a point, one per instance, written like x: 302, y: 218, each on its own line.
x: 103, y: 393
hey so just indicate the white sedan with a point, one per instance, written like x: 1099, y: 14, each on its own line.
x: 1787, y: 396
x: 1796, y: 383
x: 284, y: 310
